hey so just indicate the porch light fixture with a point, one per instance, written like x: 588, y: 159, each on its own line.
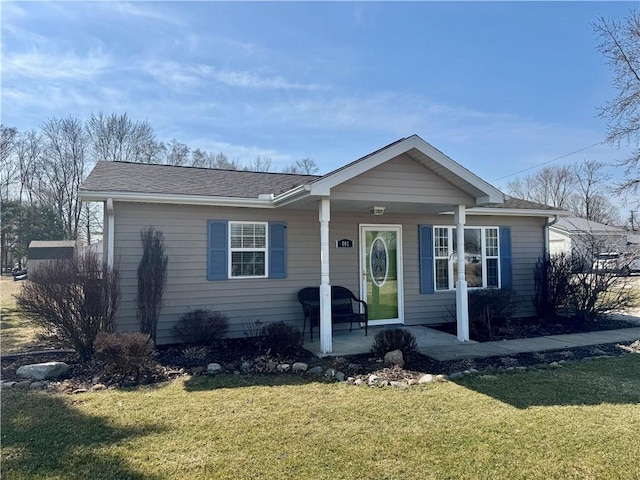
x: 376, y: 211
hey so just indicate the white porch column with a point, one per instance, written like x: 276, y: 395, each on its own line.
x: 325, y: 287
x: 462, y: 300
x: 110, y: 240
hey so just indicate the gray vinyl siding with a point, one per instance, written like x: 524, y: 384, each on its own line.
x: 248, y: 300
x: 418, y: 185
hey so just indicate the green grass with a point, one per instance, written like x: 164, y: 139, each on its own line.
x: 16, y: 333
x: 580, y: 422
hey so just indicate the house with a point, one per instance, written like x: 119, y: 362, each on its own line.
x: 385, y: 226
x: 586, y: 236
x: 43, y: 251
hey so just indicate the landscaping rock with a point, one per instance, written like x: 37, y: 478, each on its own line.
x: 374, y: 380
x: 7, y: 384
x: 330, y: 372
x: 284, y: 367
x: 214, y: 368
x: 197, y: 370
x: 271, y: 366
x: 41, y: 371
x: 396, y: 384
x: 442, y: 378
x: 315, y: 370
x: 79, y: 390
x: 358, y: 382
x: 36, y: 386
x: 339, y: 376
x: 300, y: 367
x: 412, y: 381
x: 456, y: 375
x: 98, y: 386
x: 22, y: 384
x: 394, y: 357
x: 427, y: 378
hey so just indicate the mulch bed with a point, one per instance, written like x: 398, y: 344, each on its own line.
x: 171, y: 363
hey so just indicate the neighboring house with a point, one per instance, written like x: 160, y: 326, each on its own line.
x: 385, y: 226
x: 585, y: 236
x: 43, y: 251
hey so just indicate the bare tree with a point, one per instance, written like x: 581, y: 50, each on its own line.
x: 550, y: 186
x: 260, y: 164
x: 305, y: 166
x: 8, y: 165
x: 212, y: 160
x: 177, y: 153
x: 590, y: 199
x: 620, y: 45
x: 64, y: 169
x: 29, y: 157
x: 117, y: 138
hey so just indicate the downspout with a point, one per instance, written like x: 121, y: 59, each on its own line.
x: 110, y: 232
x: 546, y: 232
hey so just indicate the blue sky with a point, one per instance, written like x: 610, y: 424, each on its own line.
x: 499, y: 87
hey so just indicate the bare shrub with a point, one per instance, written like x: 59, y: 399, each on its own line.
x: 152, y: 280
x: 125, y: 353
x: 201, y: 327
x: 394, y: 339
x: 72, y: 300
x: 282, y: 339
x: 490, y: 310
x: 551, y: 274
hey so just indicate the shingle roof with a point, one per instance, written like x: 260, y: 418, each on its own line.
x: 577, y: 224
x: 173, y: 180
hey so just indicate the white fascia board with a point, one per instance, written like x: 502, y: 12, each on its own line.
x: 92, y: 196
x: 516, y: 212
x: 493, y: 195
x: 324, y: 185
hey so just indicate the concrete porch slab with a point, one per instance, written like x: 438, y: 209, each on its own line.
x: 355, y: 343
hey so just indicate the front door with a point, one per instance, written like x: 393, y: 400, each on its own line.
x: 381, y: 267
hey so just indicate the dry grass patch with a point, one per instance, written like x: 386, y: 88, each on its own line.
x: 16, y: 333
x: 555, y: 424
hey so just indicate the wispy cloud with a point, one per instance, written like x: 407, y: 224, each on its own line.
x: 148, y: 11
x: 189, y: 75
x: 36, y: 65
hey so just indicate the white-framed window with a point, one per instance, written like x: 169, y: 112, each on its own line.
x: 481, y: 255
x: 248, y: 246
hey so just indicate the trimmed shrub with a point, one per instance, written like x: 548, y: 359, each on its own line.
x: 489, y: 310
x: 126, y: 353
x: 282, y: 339
x: 394, y: 339
x: 201, y: 327
x: 72, y: 299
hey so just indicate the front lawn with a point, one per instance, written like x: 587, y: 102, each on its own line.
x: 580, y: 421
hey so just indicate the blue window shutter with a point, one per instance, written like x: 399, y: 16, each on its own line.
x: 218, y: 259
x: 425, y: 239
x: 505, y: 257
x: 277, y: 250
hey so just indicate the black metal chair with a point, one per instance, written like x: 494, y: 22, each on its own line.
x: 345, y: 307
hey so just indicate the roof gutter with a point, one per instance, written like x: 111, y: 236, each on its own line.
x: 293, y: 195
x: 512, y: 212
x: 93, y: 196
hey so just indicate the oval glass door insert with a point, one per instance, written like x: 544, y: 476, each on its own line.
x: 379, y: 261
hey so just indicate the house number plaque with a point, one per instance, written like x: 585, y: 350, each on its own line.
x: 344, y: 243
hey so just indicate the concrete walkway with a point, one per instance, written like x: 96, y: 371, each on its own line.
x: 524, y: 345
x: 444, y: 347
